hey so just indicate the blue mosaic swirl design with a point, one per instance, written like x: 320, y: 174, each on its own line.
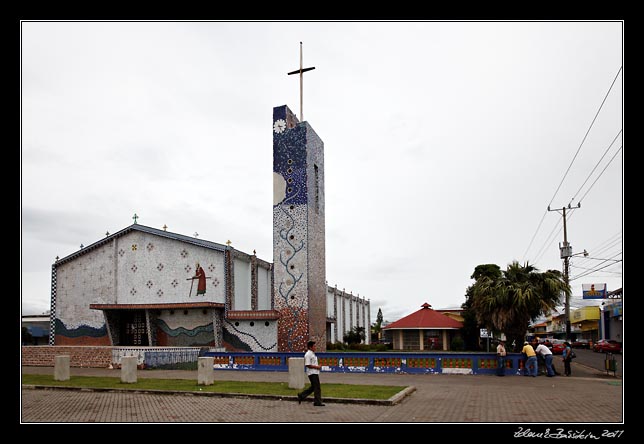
x: 182, y: 331
x: 83, y: 330
x: 291, y: 145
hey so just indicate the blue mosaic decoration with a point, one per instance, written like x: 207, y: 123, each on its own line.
x: 182, y: 331
x: 298, y: 225
x: 82, y: 330
x: 289, y: 160
x: 232, y: 335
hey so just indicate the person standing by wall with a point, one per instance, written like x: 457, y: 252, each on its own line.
x: 313, y: 372
x: 500, y: 358
x: 545, y: 352
x: 531, y: 360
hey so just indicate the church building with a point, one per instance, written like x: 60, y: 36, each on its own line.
x: 144, y: 286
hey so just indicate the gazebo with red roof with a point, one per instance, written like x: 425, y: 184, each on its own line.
x: 425, y: 329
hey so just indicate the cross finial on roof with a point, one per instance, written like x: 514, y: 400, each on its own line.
x: 228, y: 242
x: 135, y: 217
x: 107, y: 233
x: 165, y: 227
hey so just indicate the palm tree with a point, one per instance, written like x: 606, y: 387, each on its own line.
x: 471, y: 326
x: 508, y: 303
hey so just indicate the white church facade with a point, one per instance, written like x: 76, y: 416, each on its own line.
x: 144, y: 286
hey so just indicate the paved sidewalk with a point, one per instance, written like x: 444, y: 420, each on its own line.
x: 590, y: 396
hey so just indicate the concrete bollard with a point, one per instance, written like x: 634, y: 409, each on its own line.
x: 296, y: 373
x: 205, y: 370
x: 128, y: 369
x: 61, y: 368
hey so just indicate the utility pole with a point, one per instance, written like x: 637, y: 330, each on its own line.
x: 565, y: 250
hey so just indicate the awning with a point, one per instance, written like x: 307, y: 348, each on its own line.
x: 37, y: 332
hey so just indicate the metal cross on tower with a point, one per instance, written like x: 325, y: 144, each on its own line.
x: 301, y: 71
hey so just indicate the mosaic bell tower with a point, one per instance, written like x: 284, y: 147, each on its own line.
x: 298, y: 233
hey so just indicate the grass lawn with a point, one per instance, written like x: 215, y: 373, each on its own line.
x: 377, y: 392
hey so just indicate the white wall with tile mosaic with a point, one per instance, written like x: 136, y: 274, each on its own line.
x: 90, y: 279
x: 153, y: 270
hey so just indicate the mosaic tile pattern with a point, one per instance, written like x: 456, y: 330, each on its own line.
x: 174, y: 278
x: 298, y: 233
x: 91, y: 279
x: 184, y: 335
x: 250, y: 335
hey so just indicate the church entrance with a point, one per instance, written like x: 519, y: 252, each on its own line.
x: 132, y: 329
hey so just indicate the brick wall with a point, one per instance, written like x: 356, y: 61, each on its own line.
x: 45, y: 356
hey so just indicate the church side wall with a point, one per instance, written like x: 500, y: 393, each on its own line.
x: 242, y: 294
x: 264, y: 289
x: 88, y: 279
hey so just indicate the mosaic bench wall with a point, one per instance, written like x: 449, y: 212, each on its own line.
x: 433, y: 362
x: 104, y: 357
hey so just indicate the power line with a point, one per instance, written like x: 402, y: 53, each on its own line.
x: 586, y: 135
x: 600, y: 174
x: 568, y: 169
x: 595, y: 167
x: 593, y: 271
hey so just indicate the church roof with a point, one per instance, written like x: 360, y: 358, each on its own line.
x: 162, y: 306
x: 145, y: 229
x: 425, y: 318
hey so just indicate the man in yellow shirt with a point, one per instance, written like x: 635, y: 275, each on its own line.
x: 531, y: 366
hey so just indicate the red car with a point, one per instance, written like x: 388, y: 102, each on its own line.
x: 558, y: 347
x: 607, y: 346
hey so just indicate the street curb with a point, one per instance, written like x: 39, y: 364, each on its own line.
x: 396, y: 399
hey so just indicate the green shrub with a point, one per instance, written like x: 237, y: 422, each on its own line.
x: 457, y: 344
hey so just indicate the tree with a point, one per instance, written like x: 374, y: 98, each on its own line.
x: 471, y: 326
x: 355, y: 336
x: 376, y: 327
x: 507, y: 303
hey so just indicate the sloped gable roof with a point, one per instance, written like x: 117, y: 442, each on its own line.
x: 145, y: 229
x: 425, y: 318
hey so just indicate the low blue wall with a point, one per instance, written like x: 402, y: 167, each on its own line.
x: 390, y: 362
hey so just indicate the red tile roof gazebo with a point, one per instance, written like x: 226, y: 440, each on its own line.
x: 425, y: 329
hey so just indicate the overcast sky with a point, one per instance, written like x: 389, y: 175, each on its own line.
x: 445, y: 143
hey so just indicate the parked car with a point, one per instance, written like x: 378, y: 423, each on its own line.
x: 607, y: 346
x: 558, y: 346
x: 580, y: 343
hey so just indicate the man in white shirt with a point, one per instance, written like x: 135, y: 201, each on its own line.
x: 547, y: 355
x: 313, y: 372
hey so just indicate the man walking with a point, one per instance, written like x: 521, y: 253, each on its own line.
x: 313, y: 372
